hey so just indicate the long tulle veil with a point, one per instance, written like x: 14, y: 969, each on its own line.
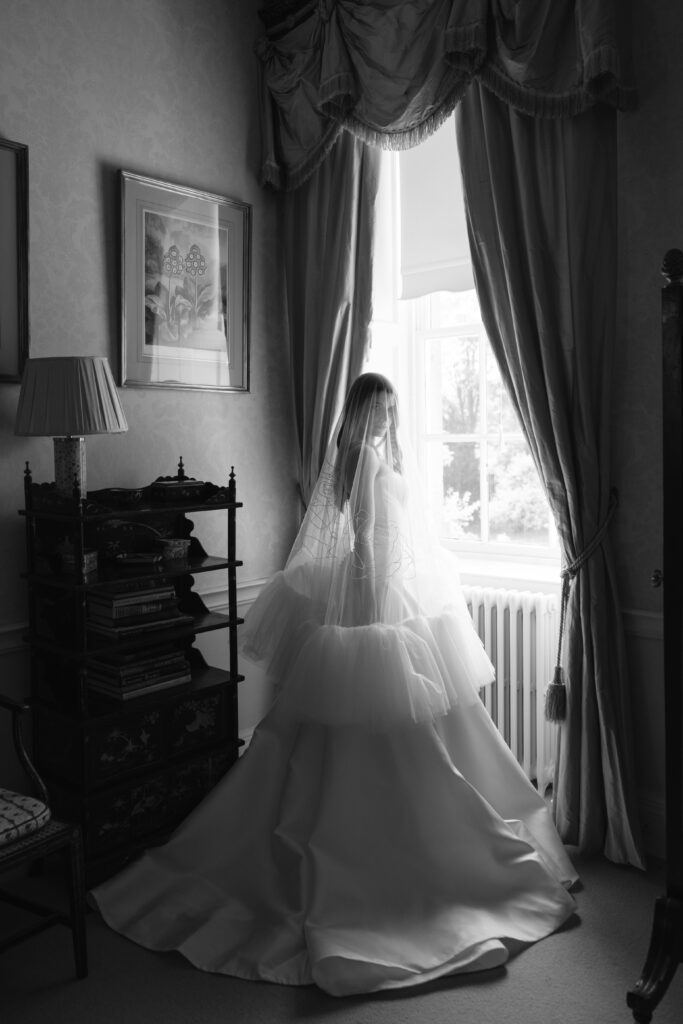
x: 367, y: 621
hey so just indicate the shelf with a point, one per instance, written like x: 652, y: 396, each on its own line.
x: 203, y: 623
x: 47, y: 504
x: 127, y: 513
x: 117, y: 574
x: 214, y: 620
x: 102, y: 709
x: 129, y: 770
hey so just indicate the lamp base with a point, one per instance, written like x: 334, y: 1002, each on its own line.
x: 70, y: 466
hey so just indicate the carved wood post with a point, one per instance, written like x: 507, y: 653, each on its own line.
x: 666, y: 943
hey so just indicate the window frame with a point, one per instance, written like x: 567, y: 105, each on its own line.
x: 394, y: 331
x: 402, y: 357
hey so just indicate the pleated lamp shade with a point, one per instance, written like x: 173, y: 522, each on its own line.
x: 67, y: 397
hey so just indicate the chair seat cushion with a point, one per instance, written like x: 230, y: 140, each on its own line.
x: 20, y: 815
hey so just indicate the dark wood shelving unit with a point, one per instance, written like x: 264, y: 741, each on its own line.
x: 128, y: 770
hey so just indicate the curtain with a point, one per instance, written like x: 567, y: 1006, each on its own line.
x: 328, y: 245
x: 391, y: 71
x: 541, y: 209
x: 540, y: 80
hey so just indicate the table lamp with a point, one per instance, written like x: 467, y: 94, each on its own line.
x: 66, y: 397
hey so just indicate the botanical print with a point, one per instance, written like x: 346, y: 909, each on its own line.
x: 186, y: 283
x: 185, y: 294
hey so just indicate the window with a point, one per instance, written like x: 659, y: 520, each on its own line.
x: 483, y: 489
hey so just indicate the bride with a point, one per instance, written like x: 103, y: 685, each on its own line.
x: 378, y: 832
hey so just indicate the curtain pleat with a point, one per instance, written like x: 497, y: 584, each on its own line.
x: 328, y: 246
x: 541, y: 209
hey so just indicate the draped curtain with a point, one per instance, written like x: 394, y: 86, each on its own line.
x: 541, y: 209
x: 540, y: 83
x: 390, y: 71
x: 328, y: 242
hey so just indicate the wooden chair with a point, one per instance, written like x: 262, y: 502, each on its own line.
x: 29, y: 833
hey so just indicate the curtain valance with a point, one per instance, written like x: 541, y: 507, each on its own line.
x: 390, y: 71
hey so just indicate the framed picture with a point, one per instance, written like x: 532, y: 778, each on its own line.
x: 13, y: 259
x: 185, y: 289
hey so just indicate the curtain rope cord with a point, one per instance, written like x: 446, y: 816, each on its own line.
x: 569, y: 572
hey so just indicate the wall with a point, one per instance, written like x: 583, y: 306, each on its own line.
x: 166, y: 89
x: 651, y: 221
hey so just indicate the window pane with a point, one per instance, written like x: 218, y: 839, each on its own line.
x: 518, y: 510
x: 453, y: 374
x: 460, y: 490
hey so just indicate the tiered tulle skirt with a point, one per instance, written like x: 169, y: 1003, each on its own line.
x: 376, y: 834
x: 410, y: 667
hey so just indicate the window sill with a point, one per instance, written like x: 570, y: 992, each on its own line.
x: 511, y: 573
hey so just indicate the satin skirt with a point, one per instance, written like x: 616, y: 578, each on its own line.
x: 354, y: 859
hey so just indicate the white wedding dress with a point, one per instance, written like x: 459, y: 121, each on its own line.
x: 378, y: 832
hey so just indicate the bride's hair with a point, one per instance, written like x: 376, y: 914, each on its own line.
x: 356, y: 427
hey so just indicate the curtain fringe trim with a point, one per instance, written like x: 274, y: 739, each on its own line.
x: 273, y: 175
x: 406, y: 138
x: 602, y: 86
x: 338, y: 101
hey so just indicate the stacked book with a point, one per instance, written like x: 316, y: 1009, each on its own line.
x: 124, y: 611
x: 131, y: 610
x: 129, y: 675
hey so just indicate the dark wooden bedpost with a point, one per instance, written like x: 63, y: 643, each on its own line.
x: 666, y: 944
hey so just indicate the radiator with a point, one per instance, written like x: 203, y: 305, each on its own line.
x: 519, y: 631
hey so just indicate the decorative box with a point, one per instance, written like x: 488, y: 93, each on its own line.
x: 174, y: 549
x: 177, y: 490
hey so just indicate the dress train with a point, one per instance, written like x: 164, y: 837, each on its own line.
x: 354, y: 860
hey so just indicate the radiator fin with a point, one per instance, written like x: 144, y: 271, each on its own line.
x: 519, y: 631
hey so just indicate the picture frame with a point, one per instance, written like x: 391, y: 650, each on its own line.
x: 185, y: 265
x: 14, y: 310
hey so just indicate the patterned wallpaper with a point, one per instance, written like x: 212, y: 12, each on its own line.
x: 167, y: 89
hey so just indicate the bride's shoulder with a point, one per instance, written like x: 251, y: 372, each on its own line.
x: 362, y: 454
x: 362, y: 463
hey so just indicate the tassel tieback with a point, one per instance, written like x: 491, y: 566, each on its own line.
x: 556, y: 691
x: 556, y: 697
